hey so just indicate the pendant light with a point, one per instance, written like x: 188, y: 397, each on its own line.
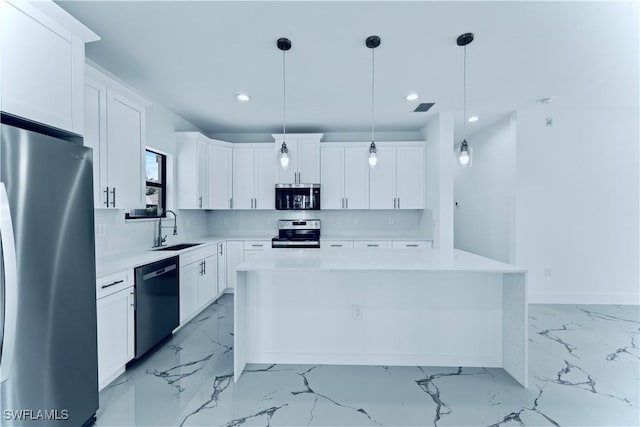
x: 284, y: 44
x: 464, y: 153
x: 372, y: 42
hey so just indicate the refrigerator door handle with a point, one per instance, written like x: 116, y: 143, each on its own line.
x: 10, y: 283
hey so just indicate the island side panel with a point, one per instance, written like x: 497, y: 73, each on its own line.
x: 516, y: 337
x: 408, y: 318
x: 239, y: 325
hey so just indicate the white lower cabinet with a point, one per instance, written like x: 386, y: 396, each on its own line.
x: 222, y: 266
x: 336, y: 243
x: 235, y: 257
x: 198, y: 281
x: 116, y: 326
x: 411, y: 244
x: 372, y: 244
x: 254, y: 247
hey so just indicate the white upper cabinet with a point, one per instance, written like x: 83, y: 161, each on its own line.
x: 220, y: 171
x: 344, y: 176
x: 192, y: 157
x: 254, y: 174
x: 114, y: 122
x: 304, y: 158
x: 43, y: 63
x: 398, y: 180
x: 410, y: 176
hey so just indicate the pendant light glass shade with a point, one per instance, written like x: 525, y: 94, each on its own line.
x: 284, y: 156
x: 284, y: 45
x: 372, y: 42
x: 464, y: 154
x: 373, y: 157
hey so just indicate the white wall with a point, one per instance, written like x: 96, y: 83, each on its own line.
x: 577, y: 205
x: 575, y: 189
x: 439, y: 175
x: 485, y: 194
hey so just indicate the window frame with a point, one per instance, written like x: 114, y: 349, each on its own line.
x: 162, y: 186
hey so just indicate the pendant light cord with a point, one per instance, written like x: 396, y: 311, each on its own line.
x: 284, y: 98
x: 464, y: 92
x: 373, y: 75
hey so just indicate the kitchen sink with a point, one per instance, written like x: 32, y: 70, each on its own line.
x: 178, y: 247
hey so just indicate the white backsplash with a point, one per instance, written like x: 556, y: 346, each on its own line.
x: 356, y: 223
x: 114, y: 234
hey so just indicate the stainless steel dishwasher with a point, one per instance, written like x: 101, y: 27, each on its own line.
x: 157, y: 303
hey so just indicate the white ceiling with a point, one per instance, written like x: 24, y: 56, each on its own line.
x: 193, y: 57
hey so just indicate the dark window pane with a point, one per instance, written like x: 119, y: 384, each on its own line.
x: 154, y: 200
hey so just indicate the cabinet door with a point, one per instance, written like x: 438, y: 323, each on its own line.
x: 332, y: 178
x: 235, y: 257
x: 243, y: 178
x: 95, y: 136
x: 356, y: 178
x: 208, y: 281
x: 125, y: 121
x: 287, y: 175
x: 220, y: 170
x: 202, y: 168
x: 131, y: 323
x: 382, y: 180
x: 189, y: 276
x: 308, y: 161
x: 410, y: 177
x: 113, y: 342
x: 265, y: 178
x: 222, y: 266
x: 38, y: 67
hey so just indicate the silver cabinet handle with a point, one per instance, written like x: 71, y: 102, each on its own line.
x: 204, y: 267
x: 220, y: 244
x: 201, y: 268
x: 200, y: 202
x: 257, y: 246
x: 106, y: 194
x: 336, y: 246
x: 111, y: 284
x: 113, y: 199
x: 372, y: 246
x: 412, y: 246
x: 346, y: 202
x: 230, y: 203
x: 398, y: 202
x: 256, y: 204
x: 133, y: 298
x: 394, y: 203
x: 10, y: 283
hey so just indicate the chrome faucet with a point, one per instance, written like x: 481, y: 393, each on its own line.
x: 159, y: 240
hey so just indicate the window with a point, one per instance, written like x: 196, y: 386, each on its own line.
x: 155, y: 165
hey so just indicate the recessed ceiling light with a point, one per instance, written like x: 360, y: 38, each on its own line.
x: 242, y: 97
x: 412, y: 97
x: 472, y: 119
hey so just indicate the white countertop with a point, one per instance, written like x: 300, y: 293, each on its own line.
x: 135, y: 258
x: 374, y: 259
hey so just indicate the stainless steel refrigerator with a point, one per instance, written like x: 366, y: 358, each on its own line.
x: 48, y: 359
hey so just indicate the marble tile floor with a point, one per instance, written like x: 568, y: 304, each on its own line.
x: 584, y: 368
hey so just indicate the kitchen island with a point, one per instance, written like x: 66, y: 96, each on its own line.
x: 423, y: 307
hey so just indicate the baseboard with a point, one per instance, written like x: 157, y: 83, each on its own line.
x: 619, y: 299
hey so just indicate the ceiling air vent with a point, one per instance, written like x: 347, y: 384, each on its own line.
x: 423, y: 107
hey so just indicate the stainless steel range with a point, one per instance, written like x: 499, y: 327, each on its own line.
x: 297, y: 233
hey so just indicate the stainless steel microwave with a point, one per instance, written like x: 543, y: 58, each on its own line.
x: 296, y: 197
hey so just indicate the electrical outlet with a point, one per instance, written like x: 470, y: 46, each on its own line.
x: 356, y: 312
x: 225, y: 221
x: 548, y: 272
x: 102, y: 230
